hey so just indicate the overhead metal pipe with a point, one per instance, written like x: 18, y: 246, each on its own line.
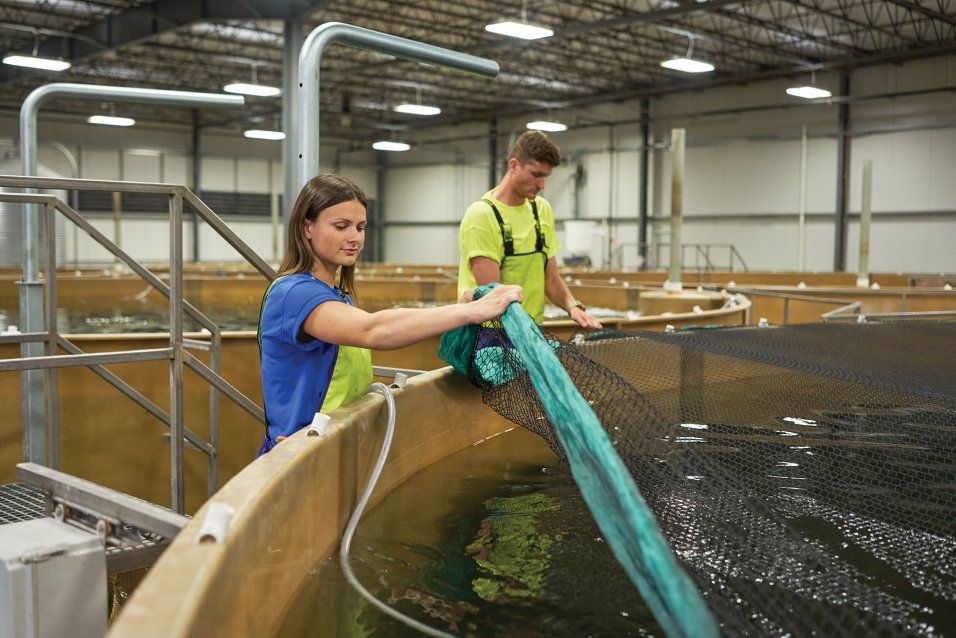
x: 308, y: 89
x: 31, y: 296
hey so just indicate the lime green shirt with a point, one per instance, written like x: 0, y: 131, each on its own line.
x: 480, y: 236
x: 351, y: 377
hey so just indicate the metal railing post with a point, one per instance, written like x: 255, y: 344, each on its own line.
x: 176, y: 345
x: 52, y: 375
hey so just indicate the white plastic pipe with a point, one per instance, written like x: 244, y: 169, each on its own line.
x: 863, y: 270
x: 673, y: 283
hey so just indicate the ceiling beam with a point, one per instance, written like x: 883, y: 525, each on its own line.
x: 156, y: 17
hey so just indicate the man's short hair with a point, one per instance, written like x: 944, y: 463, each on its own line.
x: 535, y: 145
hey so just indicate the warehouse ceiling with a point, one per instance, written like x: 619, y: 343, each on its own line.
x: 601, y: 51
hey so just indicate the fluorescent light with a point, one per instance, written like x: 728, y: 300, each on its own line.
x: 111, y: 120
x: 687, y: 65
x: 519, y: 30
x: 259, y: 90
x: 808, y: 92
x: 417, y: 109
x: 385, y: 145
x: 260, y: 134
x: 544, y: 125
x: 46, y: 64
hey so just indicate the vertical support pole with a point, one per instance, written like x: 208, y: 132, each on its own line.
x: 197, y: 179
x: 673, y: 283
x: 276, y: 223
x: 802, y: 219
x: 32, y: 409
x: 53, y: 377
x: 493, y: 153
x: 117, y: 222
x: 643, y: 183
x: 863, y: 271
x: 611, y: 193
x: 176, y: 429
x: 843, y: 176
x: 380, y: 187
x: 291, y: 48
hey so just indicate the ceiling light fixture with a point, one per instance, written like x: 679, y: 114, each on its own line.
x: 688, y: 64
x: 262, y: 134
x: 36, y: 62
x: 388, y: 145
x: 255, y: 89
x: 46, y: 64
x: 808, y: 92
x: 417, y: 108
x: 811, y: 91
x: 547, y: 125
x: 521, y: 29
x: 111, y: 120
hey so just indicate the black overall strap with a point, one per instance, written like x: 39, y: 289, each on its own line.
x: 506, y: 235
x: 539, y: 236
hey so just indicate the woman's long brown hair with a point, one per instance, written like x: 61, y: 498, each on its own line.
x: 319, y: 193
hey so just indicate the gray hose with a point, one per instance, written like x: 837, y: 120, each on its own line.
x: 357, y: 514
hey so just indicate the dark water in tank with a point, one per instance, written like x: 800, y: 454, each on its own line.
x: 492, y: 541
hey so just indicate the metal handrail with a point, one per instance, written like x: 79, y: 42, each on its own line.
x: 703, y: 251
x: 847, y: 311
x: 845, y: 305
x: 176, y: 353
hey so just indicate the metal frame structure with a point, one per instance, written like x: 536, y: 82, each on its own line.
x: 177, y: 353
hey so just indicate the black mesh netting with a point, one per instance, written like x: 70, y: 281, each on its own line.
x: 804, y: 476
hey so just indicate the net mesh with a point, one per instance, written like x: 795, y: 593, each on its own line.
x: 804, y: 476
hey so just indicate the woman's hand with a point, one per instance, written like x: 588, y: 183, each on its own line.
x: 495, y: 302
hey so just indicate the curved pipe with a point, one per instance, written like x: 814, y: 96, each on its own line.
x: 28, y: 134
x: 311, y: 56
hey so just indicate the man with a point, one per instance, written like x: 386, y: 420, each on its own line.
x: 508, y: 236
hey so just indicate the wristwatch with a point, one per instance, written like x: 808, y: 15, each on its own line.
x: 577, y: 304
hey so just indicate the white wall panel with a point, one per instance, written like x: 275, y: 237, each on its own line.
x: 923, y: 246
x: 252, y: 176
x: 421, y: 245
x: 419, y: 194
x: 178, y: 169
x: 218, y: 174
x: 912, y: 170
x: 256, y: 234
x: 142, y: 167
x: 98, y: 163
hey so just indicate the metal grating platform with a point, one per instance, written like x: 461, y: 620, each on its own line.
x: 20, y: 502
x: 23, y: 502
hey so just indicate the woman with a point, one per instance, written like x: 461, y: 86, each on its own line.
x: 313, y: 341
